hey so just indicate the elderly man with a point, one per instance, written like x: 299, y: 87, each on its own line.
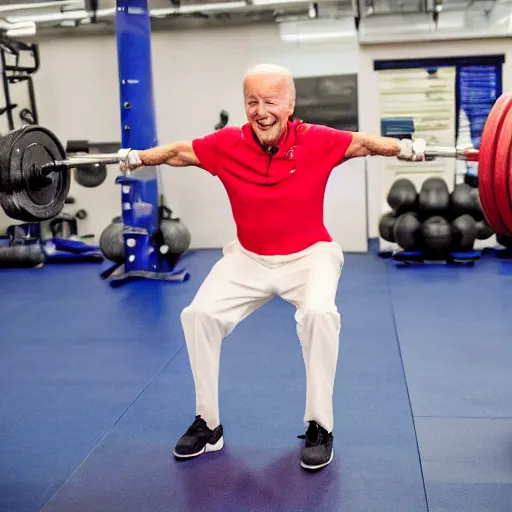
x: 271, y: 167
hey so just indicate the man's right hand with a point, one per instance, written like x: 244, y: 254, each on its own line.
x: 129, y: 159
x: 412, y: 151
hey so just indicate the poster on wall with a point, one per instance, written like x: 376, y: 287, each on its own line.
x: 328, y: 100
x: 478, y: 89
x: 428, y: 97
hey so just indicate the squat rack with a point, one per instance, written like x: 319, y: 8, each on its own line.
x: 140, y: 198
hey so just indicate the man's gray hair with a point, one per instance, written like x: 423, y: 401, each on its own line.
x: 273, y: 69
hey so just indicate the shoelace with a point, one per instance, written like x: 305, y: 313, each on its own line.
x: 198, y: 425
x: 313, y: 435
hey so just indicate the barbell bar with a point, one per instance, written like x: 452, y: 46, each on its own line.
x: 79, y: 160
x: 433, y: 152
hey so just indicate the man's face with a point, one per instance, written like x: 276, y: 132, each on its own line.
x: 268, y: 105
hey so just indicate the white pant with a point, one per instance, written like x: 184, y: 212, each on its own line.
x: 238, y: 284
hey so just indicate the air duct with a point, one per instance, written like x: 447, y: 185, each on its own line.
x: 449, y: 25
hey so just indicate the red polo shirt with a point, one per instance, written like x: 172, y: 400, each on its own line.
x: 277, y: 197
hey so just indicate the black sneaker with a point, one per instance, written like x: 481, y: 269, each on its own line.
x: 318, y: 450
x: 199, y: 439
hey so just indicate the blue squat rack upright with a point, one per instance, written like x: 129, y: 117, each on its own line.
x: 139, y: 190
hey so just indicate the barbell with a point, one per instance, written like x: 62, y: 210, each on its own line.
x: 34, y: 183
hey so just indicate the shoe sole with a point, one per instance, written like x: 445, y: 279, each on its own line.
x: 307, y: 466
x: 207, y: 449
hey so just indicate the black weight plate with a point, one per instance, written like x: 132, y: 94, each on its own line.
x: 34, y: 147
x: 7, y: 199
x: 91, y: 176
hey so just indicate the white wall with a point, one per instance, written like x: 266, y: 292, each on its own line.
x: 77, y: 94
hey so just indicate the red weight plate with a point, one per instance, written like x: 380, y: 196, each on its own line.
x: 487, y: 154
x: 501, y: 172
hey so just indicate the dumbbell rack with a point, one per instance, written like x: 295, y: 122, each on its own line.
x: 139, y: 191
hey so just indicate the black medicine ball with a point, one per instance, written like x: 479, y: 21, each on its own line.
x: 434, y: 197
x: 436, y: 232
x: 483, y: 230
x: 402, y: 196
x: 406, y: 231
x: 462, y: 200
x: 386, y: 225
x: 476, y: 207
x: 464, y: 232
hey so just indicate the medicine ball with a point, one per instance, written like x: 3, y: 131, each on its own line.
x: 477, y: 211
x: 464, y: 232
x: 112, y: 242
x: 176, y: 236
x: 386, y: 224
x: 402, y: 196
x: 434, y: 198
x: 406, y: 231
x: 462, y: 201
x: 483, y: 230
x: 436, y: 232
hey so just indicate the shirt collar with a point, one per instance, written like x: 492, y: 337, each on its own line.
x: 288, y: 139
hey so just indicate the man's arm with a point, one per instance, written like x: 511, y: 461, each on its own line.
x: 364, y: 144
x: 177, y: 154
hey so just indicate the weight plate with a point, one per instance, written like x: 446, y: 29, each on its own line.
x: 486, y: 164
x: 7, y: 200
x: 35, y: 199
x: 91, y: 176
x: 502, y: 172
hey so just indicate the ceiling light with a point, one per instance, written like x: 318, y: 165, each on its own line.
x: 278, y: 2
x: 52, y: 16
x: 40, y: 5
x: 22, y: 31
x: 186, y: 9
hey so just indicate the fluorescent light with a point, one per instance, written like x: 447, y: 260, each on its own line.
x: 40, y: 5
x: 278, y: 2
x: 318, y: 30
x: 22, y: 31
x: 186, y: 9
x: 52, y: 16
x: 321, y: 36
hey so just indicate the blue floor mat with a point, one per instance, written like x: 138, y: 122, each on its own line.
x: 467, y: 463
x: 454, y: 329
x: 129, y: 371
x: 74, y: 354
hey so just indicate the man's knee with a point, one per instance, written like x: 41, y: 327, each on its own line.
x: 197, y: 315
x: 196, y: 312
x: 328, y: 315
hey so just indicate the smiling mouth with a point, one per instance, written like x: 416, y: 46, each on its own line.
x: 265, y: 126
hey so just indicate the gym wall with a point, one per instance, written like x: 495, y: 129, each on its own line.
x: 191, y: 87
